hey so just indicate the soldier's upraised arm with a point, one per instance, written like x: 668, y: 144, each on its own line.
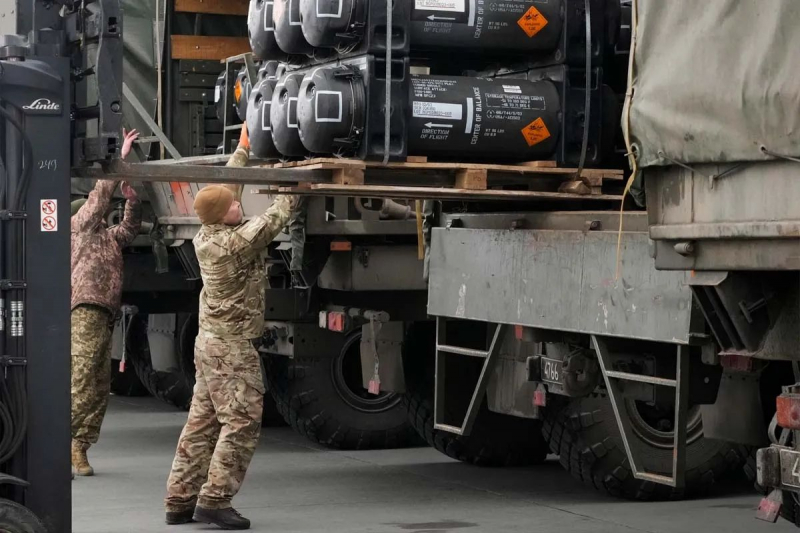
x: 131, y: 222
x: 239, y: 159
x: 254, y: 236
x: 92, y: 212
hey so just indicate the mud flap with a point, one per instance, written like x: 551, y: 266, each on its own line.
x: 737, y: 415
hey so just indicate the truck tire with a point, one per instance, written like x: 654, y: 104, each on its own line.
x: 322, y: 398
x: 584, y: 433
x: 790, y: 508
x: 496, y: 439
x: 16, y: 518
x: 174, y: 386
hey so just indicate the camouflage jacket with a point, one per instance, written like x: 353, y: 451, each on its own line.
x: 234, y: 277
x: 97, y: 249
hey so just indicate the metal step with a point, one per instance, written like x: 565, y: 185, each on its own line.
x: 490, y: 357
x: 681, y: 386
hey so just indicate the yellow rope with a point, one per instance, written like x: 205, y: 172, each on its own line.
x: 626, y: 130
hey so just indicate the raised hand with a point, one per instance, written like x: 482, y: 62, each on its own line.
x: 127, y: 143
x: 128, y: 192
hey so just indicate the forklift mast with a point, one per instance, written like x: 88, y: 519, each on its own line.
x: 60, y: 106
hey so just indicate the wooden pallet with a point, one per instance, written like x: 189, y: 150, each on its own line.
x: 419, y: 178
x: 409, y: 179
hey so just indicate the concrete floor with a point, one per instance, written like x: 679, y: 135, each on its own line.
x: 294, y: 486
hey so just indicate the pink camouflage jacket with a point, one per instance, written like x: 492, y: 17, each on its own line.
x: 97, y: 249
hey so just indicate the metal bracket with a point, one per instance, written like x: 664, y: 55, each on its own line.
x: 681, y: 386
x: 490, y: 357
x: 7, y: 360
x: 10, y: 285
x: 143, y: 114
x: 6, y: 215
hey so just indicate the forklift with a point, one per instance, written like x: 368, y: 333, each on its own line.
x: 60, y: 106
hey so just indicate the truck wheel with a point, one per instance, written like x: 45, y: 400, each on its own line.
x: 323, y: 399
x: 15, y: 518
x: 496, y: 439
x: 173, y: 386
x: 584, y: 433
x: 126, y: 383
x: 790, y: 508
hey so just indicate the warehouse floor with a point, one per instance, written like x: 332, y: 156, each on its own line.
x: 294, y: 486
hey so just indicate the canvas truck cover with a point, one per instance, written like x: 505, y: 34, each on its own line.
x: 714, y: 80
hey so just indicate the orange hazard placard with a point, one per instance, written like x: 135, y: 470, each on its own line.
x: 535, y: 132
x: 532, y: 22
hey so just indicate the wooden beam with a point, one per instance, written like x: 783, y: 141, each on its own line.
x: 213, y: 7
x: 209, y: 48
x: 473, y: 179
x: 348, y: 176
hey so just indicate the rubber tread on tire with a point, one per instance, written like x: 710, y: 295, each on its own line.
x: 306, y: 398
x: 584, y: 433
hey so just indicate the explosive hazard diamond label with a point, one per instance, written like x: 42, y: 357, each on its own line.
x: 532, y: 22
x: 535, y: 132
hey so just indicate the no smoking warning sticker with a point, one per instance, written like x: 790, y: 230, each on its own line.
x: 48, y: 210
x: 535, y: 132
x: 532, y: 22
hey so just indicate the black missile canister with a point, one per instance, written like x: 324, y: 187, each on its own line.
x: 222, y: 88
x: 241, y: 93
x: 258, y: 112
x: 514, y: 25
x: 330, y: 109
x: 288, y: 30
x: 480, y: 118
x: 328, y: 23
x: 261, y: 29
x: 283, y: 116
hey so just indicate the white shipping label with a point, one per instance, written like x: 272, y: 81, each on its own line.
x: 512, y: 89
x: 437, y: 110
x: 452, y: 6
x: 48, y: 209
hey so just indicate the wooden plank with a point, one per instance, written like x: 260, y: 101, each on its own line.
x: 213, y: 7
x: 540, y: 164
x: 432, y: 193
x: 472, y: 179
x: 204, y: 47
x: 348, y: 176
x: 416, y: 159
x: 412, y: 165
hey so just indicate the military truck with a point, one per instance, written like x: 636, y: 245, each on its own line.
x: 651, y: 382
x: 712, y: 126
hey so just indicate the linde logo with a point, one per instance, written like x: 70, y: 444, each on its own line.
x: 42, y: 104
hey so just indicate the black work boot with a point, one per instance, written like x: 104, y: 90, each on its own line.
x: 223, y: 518
x: 175, y: 518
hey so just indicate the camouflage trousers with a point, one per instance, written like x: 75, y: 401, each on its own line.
x: 91, y: 370
x: 221, y: 433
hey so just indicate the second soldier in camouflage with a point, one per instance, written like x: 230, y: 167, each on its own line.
x: 221, y: 433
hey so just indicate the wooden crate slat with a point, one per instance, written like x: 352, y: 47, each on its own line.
x: 213, y: 7
x: 205, y: 47
x: 394, y: 191
x: 525, y: 168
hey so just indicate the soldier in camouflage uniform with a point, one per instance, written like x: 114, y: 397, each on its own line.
x: 221, y: 433
x: 96, y: 261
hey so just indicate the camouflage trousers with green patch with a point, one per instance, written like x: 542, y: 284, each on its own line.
x: 221, y: 433
x: 91, y: 370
